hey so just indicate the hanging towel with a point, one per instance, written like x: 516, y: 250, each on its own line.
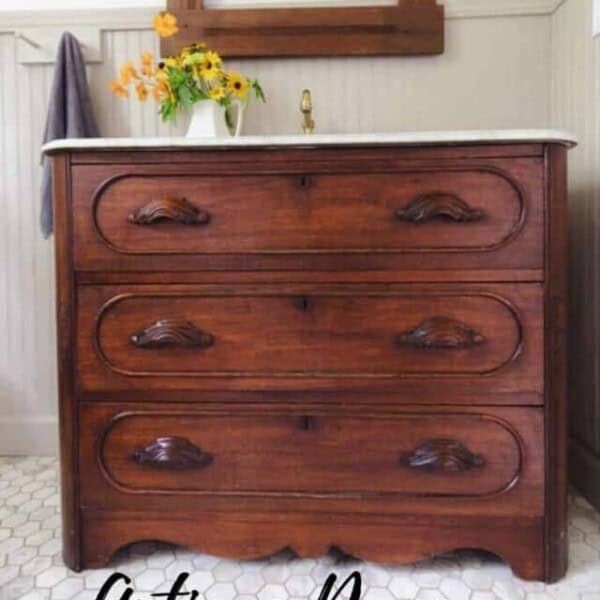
x: 69, y: 114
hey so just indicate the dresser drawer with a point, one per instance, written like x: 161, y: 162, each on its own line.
x: 485, y: 216
x: 435, y: 454
x: 273, y: 337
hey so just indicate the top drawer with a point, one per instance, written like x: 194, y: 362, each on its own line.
x: 450, y: 216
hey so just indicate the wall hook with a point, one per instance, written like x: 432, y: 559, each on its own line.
x: 39, y: 45
x: 35, y: 45
x: 29, y: 41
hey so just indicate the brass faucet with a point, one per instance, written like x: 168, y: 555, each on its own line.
x: 308, y: 125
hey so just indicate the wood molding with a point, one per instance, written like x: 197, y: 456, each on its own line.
x: 404, y: 28
x: 114, y: 19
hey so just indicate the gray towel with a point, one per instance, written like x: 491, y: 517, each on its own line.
x: 69, y: 114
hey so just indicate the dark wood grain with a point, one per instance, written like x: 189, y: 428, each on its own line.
x: 343, y: 221
x: 276, y: 455
x: 261, y: 458
x: 302, y: 520
x: 556, y: 364
x: 246, y: 535
x: 306, y: 283
x: 345, y: 337
x: 66, y: 326
x: 411, y: 28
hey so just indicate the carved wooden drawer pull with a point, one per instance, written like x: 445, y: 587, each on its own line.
x: 441, y: 333
x: 172, y: 333
x: 430, y: 207
x: 173, y: 453
x: 442, y: 456
x: 175, y: 210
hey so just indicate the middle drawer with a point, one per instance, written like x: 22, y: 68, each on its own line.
x: 306, y: 337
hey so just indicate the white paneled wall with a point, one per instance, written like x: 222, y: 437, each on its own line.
x: 576, y: 106
x: 495, y: 73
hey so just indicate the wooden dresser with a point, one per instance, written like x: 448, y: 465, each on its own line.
x: 355, y: 344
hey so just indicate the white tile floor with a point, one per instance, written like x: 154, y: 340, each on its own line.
x: 31, y: 567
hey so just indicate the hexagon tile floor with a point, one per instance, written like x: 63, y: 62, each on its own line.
x: 31, y: 567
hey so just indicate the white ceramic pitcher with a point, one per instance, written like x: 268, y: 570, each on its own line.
x: 208, y: 120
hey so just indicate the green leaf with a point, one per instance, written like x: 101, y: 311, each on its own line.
x: 258, y: 91
x: 199, y: 94
x: 228, y: 118
x: 193, y: 59
x: 177, y: 78
x: 168, y: 110
x: 186, y: 96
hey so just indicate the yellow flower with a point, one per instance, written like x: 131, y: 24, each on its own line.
x: 237, y: 85
x: 173, y: 61
x: 159, y: 91
x: 193, y: 59
x: 118, y: 89
x: 142, y: 91
x: 147, y: 64
x: 165, y: 24
x: 128, y: 73
x: 217, y: 93
x: 162, y: 90
x: 210, y: 67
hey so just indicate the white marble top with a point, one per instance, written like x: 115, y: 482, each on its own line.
x: 349, y: 139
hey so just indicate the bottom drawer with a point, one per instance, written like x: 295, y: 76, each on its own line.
x: 440, y: 454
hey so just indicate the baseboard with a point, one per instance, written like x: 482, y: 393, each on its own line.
x: 584, y: 468
x: 35, y: 436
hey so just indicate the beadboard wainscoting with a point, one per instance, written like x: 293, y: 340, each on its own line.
x: 495, y: 73
x: 576, y: 106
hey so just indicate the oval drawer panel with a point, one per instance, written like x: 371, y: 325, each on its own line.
x: 451, y: 454
x: 320, y: 334
x: 423, y: 211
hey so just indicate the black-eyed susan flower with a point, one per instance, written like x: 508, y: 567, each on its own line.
x: 210, y: 67
x: 165, y: 24
x: 217, y: 93
x: 179, y: 82
x: 175, y: 62
x: 237, y: 85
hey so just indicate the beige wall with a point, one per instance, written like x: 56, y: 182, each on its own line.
x: 576, y: 106
x: 496, y: 73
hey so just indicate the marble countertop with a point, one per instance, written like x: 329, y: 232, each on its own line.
x: 422, y: 138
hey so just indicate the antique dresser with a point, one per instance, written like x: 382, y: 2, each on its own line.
x: 313, y: 342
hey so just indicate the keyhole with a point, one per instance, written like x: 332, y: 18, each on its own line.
x: 308, y: 423
x: 305, y: 181
x: 303, y: 303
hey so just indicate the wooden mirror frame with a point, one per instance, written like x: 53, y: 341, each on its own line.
x: 413, y: 27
